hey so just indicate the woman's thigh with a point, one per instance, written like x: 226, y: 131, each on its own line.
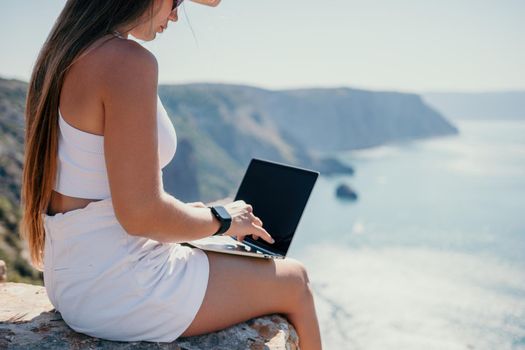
x: 240, y: 288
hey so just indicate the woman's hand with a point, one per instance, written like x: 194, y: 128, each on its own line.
x: 244, y: 223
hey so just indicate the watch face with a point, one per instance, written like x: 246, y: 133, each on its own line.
x: 223, y: 213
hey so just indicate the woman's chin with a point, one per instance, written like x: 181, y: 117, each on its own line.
x: 150, y: 37
x: 146, y: 37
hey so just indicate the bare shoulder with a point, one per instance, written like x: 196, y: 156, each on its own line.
x: 121, y: 62
x: 118, y: 63
x: 126, y: 52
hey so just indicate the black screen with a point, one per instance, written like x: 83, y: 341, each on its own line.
x: 278, y: 194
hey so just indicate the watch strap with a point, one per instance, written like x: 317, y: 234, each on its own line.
x: 224, y: 218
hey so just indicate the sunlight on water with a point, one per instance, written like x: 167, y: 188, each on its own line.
x: 486, y: 153
x: 415, y: 298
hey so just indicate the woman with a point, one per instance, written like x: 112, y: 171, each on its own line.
x: 95, y: 214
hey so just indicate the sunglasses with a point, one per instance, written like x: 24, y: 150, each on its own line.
x: 176, y: 3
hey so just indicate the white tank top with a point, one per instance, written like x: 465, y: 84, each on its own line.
x: 81, y: 170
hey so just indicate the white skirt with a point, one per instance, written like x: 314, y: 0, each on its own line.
x: 111, y: 285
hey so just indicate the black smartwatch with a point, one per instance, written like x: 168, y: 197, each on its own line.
x: 224, y: 218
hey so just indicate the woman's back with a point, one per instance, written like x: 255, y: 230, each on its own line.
x: 82, y: 119
x: 81, y: 94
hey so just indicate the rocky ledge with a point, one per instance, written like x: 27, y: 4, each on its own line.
x: 28, y: 321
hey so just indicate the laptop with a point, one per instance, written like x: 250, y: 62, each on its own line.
x: 278, y: 194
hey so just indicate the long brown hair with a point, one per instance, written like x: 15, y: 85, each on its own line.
x: 78, y: 26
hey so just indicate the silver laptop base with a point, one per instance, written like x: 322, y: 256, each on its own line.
x: 228, y: 245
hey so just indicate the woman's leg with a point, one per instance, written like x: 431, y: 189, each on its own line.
x: 241, y: 288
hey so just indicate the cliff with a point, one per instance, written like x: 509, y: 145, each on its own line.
x: 28, y: 321
x: 294, y: 123
x: 227, y: 125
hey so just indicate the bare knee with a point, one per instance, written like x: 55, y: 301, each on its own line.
x: 298, y: 278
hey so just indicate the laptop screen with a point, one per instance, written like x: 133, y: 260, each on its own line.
x: 278, y: 194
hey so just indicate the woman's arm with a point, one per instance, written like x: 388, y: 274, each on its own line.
x: 129, y: 95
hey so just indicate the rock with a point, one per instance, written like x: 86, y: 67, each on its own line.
x: 3, y: 272
x: 346, y: 192
x: 28, y: 321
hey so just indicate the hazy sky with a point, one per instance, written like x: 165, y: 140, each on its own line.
x: 407, y: 45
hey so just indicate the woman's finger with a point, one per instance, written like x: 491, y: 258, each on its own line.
x: 261, y: 232
x: 256, y: 220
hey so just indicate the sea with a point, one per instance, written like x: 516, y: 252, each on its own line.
x: 432, y: 253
